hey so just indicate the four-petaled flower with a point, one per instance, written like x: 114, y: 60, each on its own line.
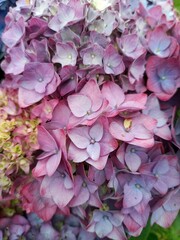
x: 163, y: 76
x: 137, y: 131
x: 66, y: 54
x: 91, y: 144
x: 38, y: 80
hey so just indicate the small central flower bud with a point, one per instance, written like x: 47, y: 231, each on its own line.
x: 92, y: 141
x: 84, y: 184
x: 40, y: 79
x: 69, y: 56
x: 127, y: 124
x: 156, y: 175
x: 163, y: 78
x: 105, y: 217
x: 138, y: 186
x: 133, y: 150
x: 62, y: 175
x: 92, y: 56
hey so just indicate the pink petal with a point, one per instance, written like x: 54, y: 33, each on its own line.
x: 61, y: 114
x: 118, y: 94
x: 94, y: 151
x: 109, y: 146
x: 96, y: 132
x: 79, y: 136
x: 77, y: 155
x: 119, y: 133
x: 27, y: 97
x: 14, y: 33
x: 91, y: 89
x: 81, y: 198
x: 117, y: 234
x: 47, y: 212
x: 79, y: 104
x: 68, y: 184
x: 131, y: 225
x: 163, y: 132
x: 100, y: 164
x: 167, y: 219
x: 146, y: 143
x: 45, y: 140
x: 45, y: 155
x: 53, y: 163
x: 40, y: 168
x: 141, y: 132
x: 134, y: 102
x: 66, y: 194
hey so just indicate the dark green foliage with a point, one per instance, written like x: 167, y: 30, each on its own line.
x: 158, y: 233
x: 177, y: 4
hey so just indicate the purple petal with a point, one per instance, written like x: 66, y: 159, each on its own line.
x: 161, y: 187
x: 156, y: 215
x: 32, y: 98
x: 79, y: 104
x: 81, y: 198
x: 66, y: 15
x: 117, y: 234
x: 117, y: 219
x: 66, y: 54
x: 76, y: 154
x: 96, y: 132
x: 61, y: 115
x: 103, y: 227
x: 173, y: 204
x: 161, y: 167
x: 94, y: 151
x: 14, y: 33
x: 100, y: 164
x: 133, y: 161
x: 113, y: 63
x: 132, y: 196
x: 80, y: 137
x: 167, y: 219
x: 66, y: 194
x: 92, y: 55
x: 46, y: 141
x: 118, y: 94
x: 141, y: 132
x: 168, y: 85
x: 53, y: 163
x: 119, y: 133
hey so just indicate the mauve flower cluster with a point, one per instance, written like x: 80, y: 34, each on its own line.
x: 101, y: 78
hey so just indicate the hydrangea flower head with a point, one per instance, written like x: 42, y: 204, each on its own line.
x: 89, y: 118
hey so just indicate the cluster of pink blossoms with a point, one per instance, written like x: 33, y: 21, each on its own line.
x: 100, y: 79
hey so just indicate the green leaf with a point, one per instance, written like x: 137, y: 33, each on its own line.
x: 177, y: 4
